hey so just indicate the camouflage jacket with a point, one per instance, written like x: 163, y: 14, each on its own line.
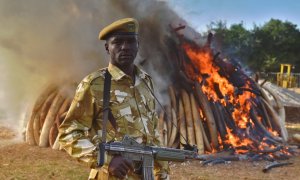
x: 132, y: 106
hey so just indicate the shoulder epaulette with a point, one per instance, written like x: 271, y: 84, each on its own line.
x: 143, y: 74
x: 94, y: 75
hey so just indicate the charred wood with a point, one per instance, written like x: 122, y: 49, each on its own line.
x: 264, y: 113
x: 275, y: 164
x: 261, y: 127
x: 218, y: 91
x: 185, y: 79
x: 213, y: 162
x: 256, y: 92
x: 278, y: 148
x: 228, y: 119
x: 221, y: 126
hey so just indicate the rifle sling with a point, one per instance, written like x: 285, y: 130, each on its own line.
x: 107, y: 114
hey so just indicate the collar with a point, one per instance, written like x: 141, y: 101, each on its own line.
x: 117, y: 73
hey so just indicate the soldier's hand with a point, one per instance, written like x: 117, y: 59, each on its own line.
x: 120, y: 166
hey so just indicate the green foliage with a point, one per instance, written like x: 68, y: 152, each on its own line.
x: 264, y: 47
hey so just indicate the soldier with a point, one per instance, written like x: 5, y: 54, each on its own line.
x: 131, y: 103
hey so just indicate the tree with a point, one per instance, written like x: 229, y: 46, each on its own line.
x: 236, y: 42
x: 277, y: 42
x: 264, y: 48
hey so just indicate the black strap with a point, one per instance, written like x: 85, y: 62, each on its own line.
x: 106, y: 99
x: 107, y: 114
x: 111, y: 118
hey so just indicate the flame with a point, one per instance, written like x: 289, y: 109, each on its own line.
x: 203, y: 62
x: 275, y: 133
x: 219, y: 89
x: 201, y: 114
x: 263, y: 145
x: 236, y: 141
x: 220, y: 142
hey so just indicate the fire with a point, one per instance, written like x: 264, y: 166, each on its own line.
x: 236, y: 141
x: 218, y: 88
x: 275, y: 133
x: 203, y: 61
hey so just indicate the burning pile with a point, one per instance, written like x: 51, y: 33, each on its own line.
x: 220, y: 108
x: 213, y: 105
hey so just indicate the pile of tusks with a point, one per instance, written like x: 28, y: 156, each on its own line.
x: 180, y: 122
x: 47, y: 114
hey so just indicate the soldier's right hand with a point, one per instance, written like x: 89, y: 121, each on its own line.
x: 120, y: 166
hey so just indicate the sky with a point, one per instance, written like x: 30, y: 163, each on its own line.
x: 201, y: 12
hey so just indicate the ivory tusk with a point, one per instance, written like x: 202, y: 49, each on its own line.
x: 160, y: 127
x: 277, y: 120
x: 268, y: 121
x: 54, y: 129
x: 56, y: 145
x: 174, y: 128
x: 204, y: 104
x: 37, y: 105
x: 173, y: 97
x: 165, y: 134
x: 49, y: 121
x: 29, y: 131
x: 265, y: 95
x: 37, y: 127
x: 220, y: 121
x: 182, y: 124
x: 188, y: 117
x: 197, y: 122
x: 205, y: 138
x: 176, y: 143
x: 168, y: 119
x: 62, y: 110
x: 279, y: 105
x: 46, y: 106
x: 53, y: 135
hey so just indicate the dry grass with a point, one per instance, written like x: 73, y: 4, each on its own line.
x: 22, y: 161
x: 6, y: 133
x: 235, y: 170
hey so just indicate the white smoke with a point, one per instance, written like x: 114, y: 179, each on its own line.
x: 46, y: 41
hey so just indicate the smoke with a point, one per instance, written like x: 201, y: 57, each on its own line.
x: 51, y: 41
x: 44, y: 41
x: 157, y: 21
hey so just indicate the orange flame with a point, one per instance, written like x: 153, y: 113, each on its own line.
x: 209, y: 76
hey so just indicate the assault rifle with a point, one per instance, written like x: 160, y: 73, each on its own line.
x: 130, y: 149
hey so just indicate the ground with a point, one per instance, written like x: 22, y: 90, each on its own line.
x: 19, y: 160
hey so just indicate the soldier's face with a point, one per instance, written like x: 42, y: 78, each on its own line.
x: 122, y: 49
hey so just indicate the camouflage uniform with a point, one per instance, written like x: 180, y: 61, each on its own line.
x: 132, y: 106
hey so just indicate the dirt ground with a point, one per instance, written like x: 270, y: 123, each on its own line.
x: 22, y: 161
